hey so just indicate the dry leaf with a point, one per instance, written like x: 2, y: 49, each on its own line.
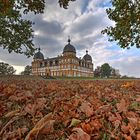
x: 125, y: 129
x: 86, y: 108
x: 87, y: 128
x: 79, y: 134
x: 44, y: 122
x: 138, y: 136
x: 12, y: 113
x: 122, y: 107
x: 95, y: 124
x: 30, y: 108
x: 133, y: 122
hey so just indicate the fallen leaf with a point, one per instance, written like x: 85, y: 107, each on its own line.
x: 12, y: 113
x: 127, y: 137
x: 133, y: 122
x: 74, y: 122
x: 87, y: 128
x: 95, y: 124
x: 125, y: 129
x: 30, y: 108
x: 47, y: 128
x: 122, y: 107
x: 138, y: 136
x: 86, y: 108
x: 45, y: 122
x: 79, y: 134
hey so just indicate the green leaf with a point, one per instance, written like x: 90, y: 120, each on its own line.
x: 74, y: 122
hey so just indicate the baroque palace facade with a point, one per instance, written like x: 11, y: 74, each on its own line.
x: 67, y: 65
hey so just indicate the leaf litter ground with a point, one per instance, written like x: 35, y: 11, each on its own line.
x: 69, y: 110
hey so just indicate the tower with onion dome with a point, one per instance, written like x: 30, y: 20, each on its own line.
x: 69, y: 50
x: 37, y: 61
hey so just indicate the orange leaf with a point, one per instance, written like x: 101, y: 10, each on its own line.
x: 125, y: 129
x: 127, y: 137
x: 95, y: 124
x: 138, y: 136
x: 86, y: 127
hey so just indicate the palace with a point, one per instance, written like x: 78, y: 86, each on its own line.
x: 67, y: 65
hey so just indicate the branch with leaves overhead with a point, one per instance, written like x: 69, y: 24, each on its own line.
x: 16, y: 33
x: 64, y: 3
x: 126, y: 14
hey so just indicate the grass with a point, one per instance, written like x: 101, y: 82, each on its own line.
x: 33, y: 77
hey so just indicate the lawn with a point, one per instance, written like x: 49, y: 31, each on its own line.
x: 85, y: 109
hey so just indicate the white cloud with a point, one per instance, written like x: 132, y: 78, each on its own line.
x: 128, y: 66
x: 18, y: 69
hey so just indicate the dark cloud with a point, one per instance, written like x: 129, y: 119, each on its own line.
x: 51, y: 28
x: 49, y: 45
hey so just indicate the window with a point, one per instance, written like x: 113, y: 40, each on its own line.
x: 51, y: 63
x: 56, y: 62
x: 54, y: 73
x: 74, y: 73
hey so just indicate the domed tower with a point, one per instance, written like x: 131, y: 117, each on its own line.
x: 37, y: 62
x: 87, y: 57
x: 69, y: 50
x: 88, y: 61
x: 38, y: 55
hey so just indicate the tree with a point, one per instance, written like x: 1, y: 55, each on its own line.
x: 27, y: 70
x: 115, y: 73
x: 126, y: 14
x: 97, y: 72
x: 6, y: 69
x: 105, y: 70
x: 16, y: 33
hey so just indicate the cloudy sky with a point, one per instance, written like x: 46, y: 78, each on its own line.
x: 83, y: 21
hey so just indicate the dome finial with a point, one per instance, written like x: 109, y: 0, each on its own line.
x: 39, y: 48
x: 86, y: 51
x: 69, y: 39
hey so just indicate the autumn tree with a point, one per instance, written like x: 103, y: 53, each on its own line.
x: 126, y: 15
x: 27, y: 70
x: 6, y: 69
x: 16, y: 33
x: 105, y: 70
